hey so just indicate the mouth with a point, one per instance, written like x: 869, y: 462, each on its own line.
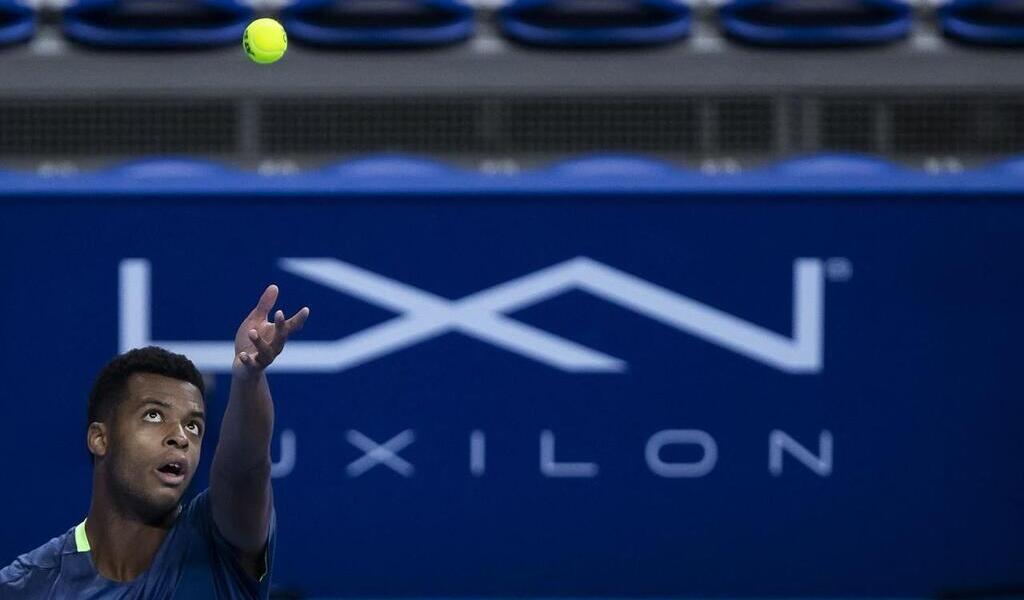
x: 172, y: 473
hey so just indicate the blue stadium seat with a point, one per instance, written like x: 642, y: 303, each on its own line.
x: 595, y: 23
x: 379, y: 23
x: 157, y: 23
x: 388, y: 165
x: 816, y: 23
x: 167, y: 168
x: 992, y: 22
x: 834, y: 165
x: 17, y: 22
x: 612, y: 165
x: 8, y: 176
x: 1013, y: 167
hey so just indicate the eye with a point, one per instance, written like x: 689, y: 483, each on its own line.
x: 153, y: 416
x: 194, y: 428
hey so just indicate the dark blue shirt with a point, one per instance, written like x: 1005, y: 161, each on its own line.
x: 193, y: 562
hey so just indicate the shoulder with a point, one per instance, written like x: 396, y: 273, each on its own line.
x: 197, y: 514
x: 197, y: 517
x: 224, y: 557
x: 40, y: 563
x: 196, y: 508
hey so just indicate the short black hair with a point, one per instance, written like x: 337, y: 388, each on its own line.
x: 108, y: 390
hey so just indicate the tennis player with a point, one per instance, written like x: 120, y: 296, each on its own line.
x: 147, y: 418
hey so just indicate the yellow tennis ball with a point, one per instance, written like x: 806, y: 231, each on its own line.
x: 265, y: 41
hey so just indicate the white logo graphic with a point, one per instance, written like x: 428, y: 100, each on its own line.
x: 483, y: 315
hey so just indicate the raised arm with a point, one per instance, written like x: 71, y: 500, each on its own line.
x: 240, y: 492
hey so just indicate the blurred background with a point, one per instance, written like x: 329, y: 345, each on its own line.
x: 610, y: 298
x: 719, y: 85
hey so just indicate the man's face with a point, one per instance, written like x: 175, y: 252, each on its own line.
x: 156, y: 438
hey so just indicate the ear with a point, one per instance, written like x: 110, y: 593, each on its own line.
x: 98, y: 439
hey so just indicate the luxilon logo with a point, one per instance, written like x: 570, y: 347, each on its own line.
x: 422, y: 316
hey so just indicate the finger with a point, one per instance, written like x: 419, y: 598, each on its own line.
x: 247, y: 359
x: 265, y: 354
x: 298, y: 320
x: 280, y: 326
x: 266, y: 302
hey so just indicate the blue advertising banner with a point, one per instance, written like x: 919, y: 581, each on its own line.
x: 569, y: 393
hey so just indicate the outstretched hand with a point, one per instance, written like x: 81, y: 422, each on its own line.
x: 259, y: 341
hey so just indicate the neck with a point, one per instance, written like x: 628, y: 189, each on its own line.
x: 122, y: 541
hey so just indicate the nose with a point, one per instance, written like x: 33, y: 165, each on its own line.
x: 177, y: 438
